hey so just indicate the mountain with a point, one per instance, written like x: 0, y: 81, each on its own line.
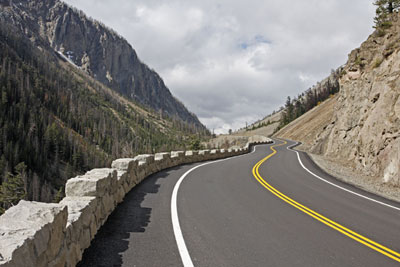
x: 96, y: 49
x: 58, y: 121
x: 295, y: 107
x: 361, y: 126
x: 350, y: 121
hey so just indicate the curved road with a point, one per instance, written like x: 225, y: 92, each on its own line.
x: 259, y: 209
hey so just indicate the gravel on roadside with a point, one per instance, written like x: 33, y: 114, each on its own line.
x: 373, y: 185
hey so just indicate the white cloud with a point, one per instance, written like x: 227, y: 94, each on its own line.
x: 232, y: 62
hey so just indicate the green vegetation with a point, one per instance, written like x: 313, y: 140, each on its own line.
x: 195, y: 144
x: 296, y: 107
x: 13, y: 187
x: 384, y: 9
x: 259, y: 125
x: 359, y: 62
x: 380, y: 33
x: 56, y: 122
x: 378, y: 62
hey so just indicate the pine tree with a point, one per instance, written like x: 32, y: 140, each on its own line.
x: 59, y: 196
x: 195, y: 144
x: 13, y: 189
x: 384, y: 9
x: 52, y: 122
x: 289, y: 110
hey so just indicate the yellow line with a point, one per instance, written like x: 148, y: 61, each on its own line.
x: 353, y: 235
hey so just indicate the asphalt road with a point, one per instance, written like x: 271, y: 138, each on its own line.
x: 231, y: 217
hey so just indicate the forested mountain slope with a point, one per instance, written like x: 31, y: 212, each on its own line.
x: 295, y: 107
x: 56, y: 121
x: 98, y: 50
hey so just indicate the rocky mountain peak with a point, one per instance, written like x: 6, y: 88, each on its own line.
x: 96, y: 49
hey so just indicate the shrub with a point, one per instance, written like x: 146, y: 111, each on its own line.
x: 378, y: 62
x: 359, y: 62
x: 386, y: 25
x: 195, y: 145
x: 380, y: 32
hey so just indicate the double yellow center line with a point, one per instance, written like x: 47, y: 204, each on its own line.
x: 334, y: 225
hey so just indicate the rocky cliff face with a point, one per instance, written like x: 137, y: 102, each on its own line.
x: 99, y: 51
x: 365, y: 128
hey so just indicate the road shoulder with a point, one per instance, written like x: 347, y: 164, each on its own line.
x: 347, y: 175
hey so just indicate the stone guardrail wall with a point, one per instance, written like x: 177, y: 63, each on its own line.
x: 47, y: 234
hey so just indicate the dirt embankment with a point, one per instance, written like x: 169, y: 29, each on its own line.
x: 308, y: 126
x: 265, y: 127
x: 356, y: 135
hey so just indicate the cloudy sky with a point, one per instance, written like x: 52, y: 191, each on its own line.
x: 232, y: 61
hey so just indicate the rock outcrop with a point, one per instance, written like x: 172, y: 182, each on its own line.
x: 96, y: 49
x: 363, y: 129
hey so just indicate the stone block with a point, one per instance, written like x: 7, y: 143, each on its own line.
x: 81, y: 217
x: 163, y: 160
x: 147, y: 164
x: 129, y: 165
x: 96, y: 182
x: 178, y: 157
x: 204, y: 155
x: 74, y: 255
x: 108, y: 203
x: 32, y: 233
x: 60, y: 260
x: 125, y: 164
x: 214, y: 153
x: 191, y: 156
x: 80, y: 209
x: 141, y: 172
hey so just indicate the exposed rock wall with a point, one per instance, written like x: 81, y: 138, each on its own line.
x: 365, y: 129
x: 363, y: 132
x: 96, y: 49
x: 42, y: 234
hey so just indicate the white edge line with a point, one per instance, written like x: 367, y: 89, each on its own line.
x: 338, y: 186
x: 180, y: 241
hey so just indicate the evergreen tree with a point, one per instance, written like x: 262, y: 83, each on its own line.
x: 13, y: 189
x: 195, y: 144
x: 296, y: 107
x: 289, y: 110
x: 61, y: 124
x: 384, y: 8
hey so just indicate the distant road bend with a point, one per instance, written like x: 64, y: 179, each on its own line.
x: 272, y: 207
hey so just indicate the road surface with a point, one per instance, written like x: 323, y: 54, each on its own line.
x: 272, y: 207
